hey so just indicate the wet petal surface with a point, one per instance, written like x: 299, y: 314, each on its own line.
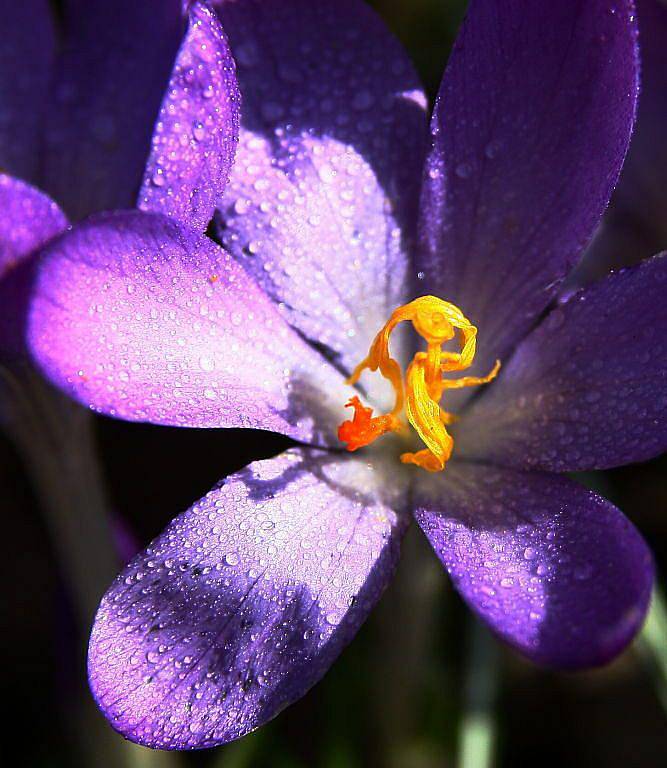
x: 197, y: 130
x: 244, y: 601
x: 321, y: 201
x: 29, y: 218
x: 635, y: 226
x: 143, y: 319
x: 555, y: 570
x: 530, y: 129
x: 586, y: 390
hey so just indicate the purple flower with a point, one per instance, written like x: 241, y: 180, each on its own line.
x: 246, y: 599
x: 72, y: 126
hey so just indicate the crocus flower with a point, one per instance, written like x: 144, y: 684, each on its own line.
x: 329, y: 253
x: 70, y: 125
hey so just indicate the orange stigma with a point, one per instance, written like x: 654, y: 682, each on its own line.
x: 420, y: 391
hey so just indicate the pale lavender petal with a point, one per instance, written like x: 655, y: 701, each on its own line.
x: 114, y: 71
x: 197, y: 130
x: 588, y: 388
x: 141, y: 318
x: 635, y: 226
x: 244, y: 602
x: 26, y: 64
x: 555, y: 570
x: 530, y: 129
x: 28, y: 218
x: 321, y: 202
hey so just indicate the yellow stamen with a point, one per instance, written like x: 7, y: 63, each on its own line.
x: 437, y: 322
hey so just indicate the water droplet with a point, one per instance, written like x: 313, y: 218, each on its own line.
x: 583, y: 572
x: 362, y: 100
x: 158, y: 178
x: 491, y: 150
x: 326, y: 174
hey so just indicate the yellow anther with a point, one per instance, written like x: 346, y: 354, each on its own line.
x: 437, y: 322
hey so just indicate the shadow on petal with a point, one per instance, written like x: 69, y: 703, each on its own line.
x: 242, y: 604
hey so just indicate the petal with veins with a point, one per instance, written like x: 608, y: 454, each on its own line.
x: 553, y: 569
x: 139, y: 317
x: 244, y: 602
x: 530, y: 129
x: 586, y: 390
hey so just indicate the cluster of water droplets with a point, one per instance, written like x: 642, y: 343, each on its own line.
x: 514, y: 192
x: 327, y: 167
x: 544, y: 561
x: 585, y: 389
x: 146, y: 321
x: 29, y: 219
x: 243, y: 602
x: 195, y: 136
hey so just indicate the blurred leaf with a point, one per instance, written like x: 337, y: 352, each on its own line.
x: 653, y: 644
x: 478, y: 722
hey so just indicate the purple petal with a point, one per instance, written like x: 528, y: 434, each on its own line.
x: 143, y: 319
x: 29, y: 219
x: 322, y: 198
x: 26, y: 63
x: 115, y: 68
x: 635, y: 226
x: 530, y: 129
x: 244, y: 602
x: 555, y: 570
x: 587, y: 389
x: 197, y: 130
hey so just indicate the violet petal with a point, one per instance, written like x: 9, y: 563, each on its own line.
x: 141, y: 318
x: 243, y: 602
x: 635, y: 226
x: 530, y: 129
x: 197, y: 130
x: 114, y: 70
x: 26, y: 68
x: 555, y: 570
x: 586, y: 390
x: 29, y: 219
x: 322, y: 198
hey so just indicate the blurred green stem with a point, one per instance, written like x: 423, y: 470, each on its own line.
x: 403, y: 657
x: 477, y: 733
x: 653, y: 643
x: 56, y: 442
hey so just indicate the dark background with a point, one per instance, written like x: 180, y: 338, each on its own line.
x: 395, y: 697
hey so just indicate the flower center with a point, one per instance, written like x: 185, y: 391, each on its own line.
x: 418, y: 392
